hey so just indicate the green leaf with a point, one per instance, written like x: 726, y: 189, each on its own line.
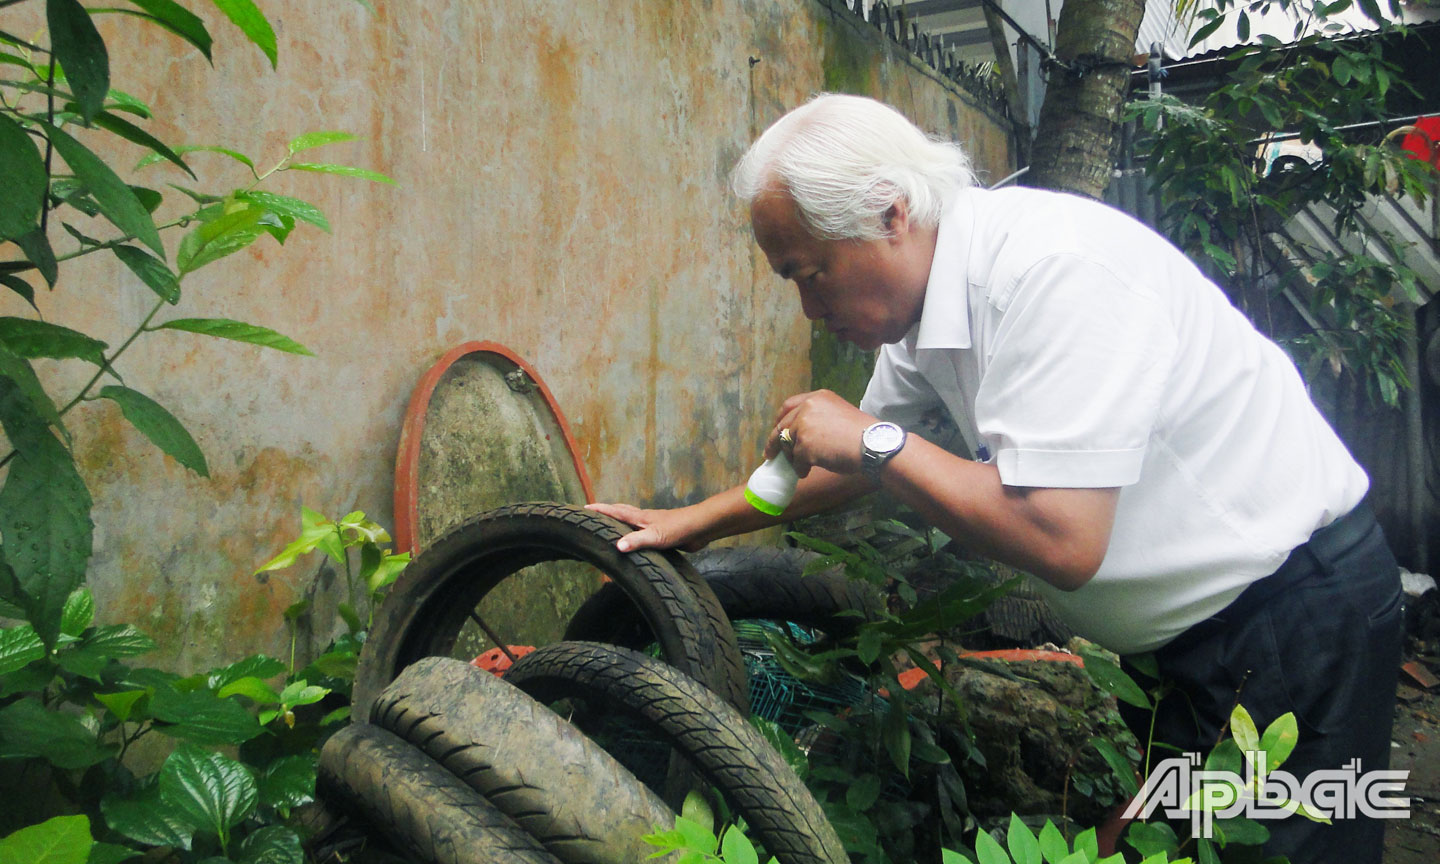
x: 21, y: 287
x: 121, y: 704
x: 36, y: 247
x: 81, y: 238
x: 736, y: 848
x: 208, y: 790
x: 180, y: 21
x: 200, y: 198
x: 19, y: 647
x: 117, y: 201
x: 62, y: 840
x: 251, y: 688
x: 254, y: 666
x: 319, y: 139
x: 148, y: 198
x: 288, y: 782
x: 695, y: 809
x: 111, y: 853
x: 1225, y: 757
x: 897, y: 735
x: 145, y: 819
x: 1112, y: 679
x: 1200, y: 36
x: 287, y: 206
x: 152, y: 271
x: 1119, y: 766
x: 1052, y: 843
x: 1246, y: 832
x: 1146, y: 665
x: 302, y: 693
x: 135, y: 135
x: 1372, y: 11
x: 1207, y: 855
x: 44, y: 515
x: 121, y: 101
x: 29, y: 338
x: 696, y: 836
x: 928, y: 752
x: 1279, y: 740
x: 23, y: 191
x: 152, y: 158
x: 213, y: 240
x: 29, y: 392
x: 273, y: 844
x: 343, y: 171
x: 202, y: 717
x: 30, y: 679
x: 85, y: 662
x: 81, y: 52
x: 252, y: 23
x: 1242, y: 728
x: 1086, y: 843
x: 350, y: 616
x: 226, y: 328
x: 1024, y: 848
x: 159, y: 425
x: 27, y: 728
x: 79, y: 612
x: 988, y: 850
x: 863, y: 792
x: 120, y: 640
x: 868, y: 646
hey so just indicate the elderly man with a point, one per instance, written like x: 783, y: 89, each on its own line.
x: 1138, y: 446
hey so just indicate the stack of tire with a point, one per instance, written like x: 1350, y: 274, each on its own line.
x: 451, y: 765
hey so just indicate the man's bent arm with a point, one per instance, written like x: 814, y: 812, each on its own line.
x: 1060, y: 535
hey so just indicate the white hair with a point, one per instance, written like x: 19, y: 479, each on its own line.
x: 845, y: 160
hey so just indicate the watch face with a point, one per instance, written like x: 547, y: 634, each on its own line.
x: 883, y: 437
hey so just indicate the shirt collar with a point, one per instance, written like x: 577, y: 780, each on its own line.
x: 945, y: 315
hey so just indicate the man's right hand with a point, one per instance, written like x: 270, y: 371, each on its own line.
x: 657, y: 529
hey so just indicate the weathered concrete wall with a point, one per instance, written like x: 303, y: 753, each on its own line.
x: 562, y: 189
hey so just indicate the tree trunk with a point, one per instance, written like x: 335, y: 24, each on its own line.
x: 1080, y: 119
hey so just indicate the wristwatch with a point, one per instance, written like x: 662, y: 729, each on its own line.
x: 878, y: 444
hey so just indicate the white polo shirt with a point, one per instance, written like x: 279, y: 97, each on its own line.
x: 1074, y: 347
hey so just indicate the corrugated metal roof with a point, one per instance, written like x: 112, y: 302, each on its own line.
x: 960, y: 25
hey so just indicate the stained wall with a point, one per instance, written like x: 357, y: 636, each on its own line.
x: 561, y: 188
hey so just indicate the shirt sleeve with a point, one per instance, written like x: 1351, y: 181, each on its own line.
x: 897, y: 391
x: 1075, y: 378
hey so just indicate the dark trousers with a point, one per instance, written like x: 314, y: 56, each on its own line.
x: 1321, y: 638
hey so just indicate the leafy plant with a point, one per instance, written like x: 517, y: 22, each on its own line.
x: 72, y: 705
x: 70, y: 714
x: 1023, y: 846
x: 378, y: 566
x: 56, y: 98
x: 693, y: 839
x: 1223, y: 201
x: 892, y: 741
x: 1245, y: 746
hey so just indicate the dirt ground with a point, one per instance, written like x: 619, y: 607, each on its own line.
x: 1416, y: 740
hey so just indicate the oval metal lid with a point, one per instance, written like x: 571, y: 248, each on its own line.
x: 482, y: 431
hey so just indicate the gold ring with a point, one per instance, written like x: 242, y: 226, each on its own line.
x: 787, y: 437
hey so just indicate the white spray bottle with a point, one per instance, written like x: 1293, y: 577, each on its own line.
x: 772, y: 486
